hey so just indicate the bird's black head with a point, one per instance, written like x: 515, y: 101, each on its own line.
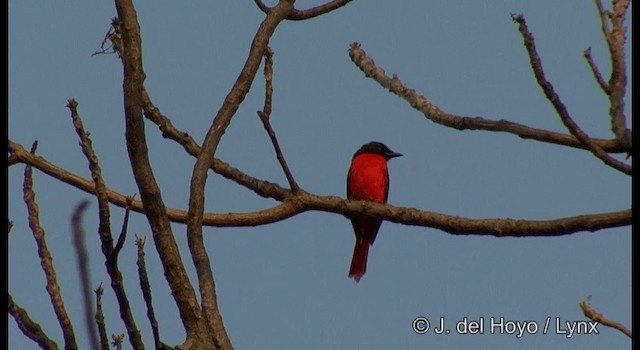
x: 377, y: 148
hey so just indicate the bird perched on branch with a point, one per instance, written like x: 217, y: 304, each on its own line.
x: 367, y: 180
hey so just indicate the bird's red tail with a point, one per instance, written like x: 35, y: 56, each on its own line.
x: 359, y: 261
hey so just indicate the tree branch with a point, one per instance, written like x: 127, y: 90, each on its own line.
x: 299, y: 15
x: 436, y: 115
x: 46, y: 260
x: 301, y: 202
x: 560, y: 108
x: 146, y: 291
x: 262, y: 188
x: 29, y: 328
x: 123, y: 232
x: 203, y: 163
x: 265, y: 114
x: 83, y: 268
x: 596, y: 72
x: 86, y: 145
x: 104, y: 230
x: 598, y: 317
x: 102, y: 329
x: 604, y: 19
x: 616, y: 40
x: 130, y: 44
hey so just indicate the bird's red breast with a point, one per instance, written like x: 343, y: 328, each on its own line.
x: 368, y: 178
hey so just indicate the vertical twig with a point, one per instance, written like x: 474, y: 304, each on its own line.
x: 102, y: 328
x: 46, y: 260
x: 123, y: 232
x: 146, y: 291
x: 616, y: 40
x: 265, y: 114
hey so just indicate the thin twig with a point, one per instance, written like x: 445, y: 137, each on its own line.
x: 46, y: 260
x: 265, y: 114
x: 9, y: 226
x: 83, y: 269
x: 436, y: 115
x: 594, y: 315
x: 123, y: 232
x: 302, y: 202
x: 29, y: 328
x: 299, y: 15
x: 268, y: 82
x: 604, y: 18
x: 616, y: 40
x: 102, y: 328
x: 561, y: 110
x: 596, y: 72
x: 146, y: 291
x: 276, y: 146
x: 109, y: 43
x: 104, y: 227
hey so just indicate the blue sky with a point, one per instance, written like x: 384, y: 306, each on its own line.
x: 285, y: 285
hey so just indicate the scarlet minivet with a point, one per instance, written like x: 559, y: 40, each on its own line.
x: 368, y: 180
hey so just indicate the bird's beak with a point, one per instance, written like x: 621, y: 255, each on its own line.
x: 393, y: 154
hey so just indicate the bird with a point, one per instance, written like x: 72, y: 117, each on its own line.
x: 367, y: 180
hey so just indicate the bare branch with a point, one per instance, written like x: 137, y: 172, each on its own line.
x: 110, y: 44
x: 616, y: 40
x: 146, y: 291
x: 596, y: 72
x: 604, y: 18
x: 262, y: 188
x: 11, y: 160
x: 268, y: 81
x: 83, y: 269
x: 598, y: 317
x: 46, y: 260
x: 128, y: 35
x: 265, y: 114
x: 123, y: 232
x: 436, y: 115
x: 29, y: 328
x: 96, y: 174
x: 299, y: 15
x: 293, y: 185
x: 102, y: 329
x: 104, y: 230
x: 220, y: 123
x: 9, y: 226
x: 301, y: 202
x: 560, y: 108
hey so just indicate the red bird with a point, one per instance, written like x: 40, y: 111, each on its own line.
x: 368, y: 180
